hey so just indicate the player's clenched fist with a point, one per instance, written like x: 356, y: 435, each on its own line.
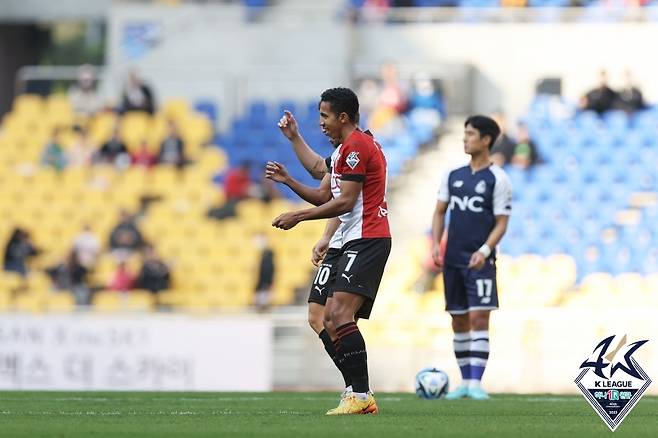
x: 286, y: 221
x: 276, y: 172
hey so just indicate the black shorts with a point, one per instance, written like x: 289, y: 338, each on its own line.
x: 468, y: 289
x: 324, y: 277
x: 360, y: 270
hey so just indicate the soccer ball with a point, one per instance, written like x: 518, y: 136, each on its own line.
x: 431, y: 383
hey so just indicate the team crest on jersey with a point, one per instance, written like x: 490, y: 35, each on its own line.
x: 612, y: 381
x: 458, y: 183
x: 481, y: 187
x: 352, y: 159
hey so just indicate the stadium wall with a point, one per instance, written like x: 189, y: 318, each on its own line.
x: 135, y: 352
x: 210, y: 51
x: 532, y: 351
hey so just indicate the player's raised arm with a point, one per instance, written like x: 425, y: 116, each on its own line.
x: 316, y: 196
x: 312, y: 161
x: 350, y: 191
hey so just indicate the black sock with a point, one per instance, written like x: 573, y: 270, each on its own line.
x: 330, y: 347
x: 355, y: 358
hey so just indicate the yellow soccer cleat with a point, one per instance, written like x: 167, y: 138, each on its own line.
x: 351, y: 405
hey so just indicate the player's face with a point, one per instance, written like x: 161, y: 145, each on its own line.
x: 473, y: 142
x: 330, y: 123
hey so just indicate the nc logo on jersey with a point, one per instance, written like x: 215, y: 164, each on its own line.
x: 481, y: 187
x: 612, y: 381
x: 352, y: 159
x: 464, y: 203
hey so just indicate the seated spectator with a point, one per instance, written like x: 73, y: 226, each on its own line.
x: 237, y: 183
x: 154, y: 274
x: 144, y: 157
x: 18, y: 250
x: 126, y: 237
x: 53, y: 154
x: 122, y: 280
x: 630, y: 98
x: 87, y: 247
x: 136, y: 95
x: 83, y: 95
x: 71, y: 275
x: 172, y: 149
x: 504, y: 146
x: 82, y: 152
x: 237, y: 186
x: 525, y: 152
x: 601, y: 98
x: 114, y: 151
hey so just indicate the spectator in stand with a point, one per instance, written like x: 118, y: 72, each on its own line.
x: 71, y: 275
x: 81, y: 153
x: 144, y: 157
x: 154, y: 274
x: 237, y: 186
x: 601, y: 98
x: 137, y: 96
x: 18, y: 250
x: 266, y: 271
x: 504, y: 147
x: 126, y: 237
x: 172, y: 149
x: 53, y: 154
x: 392, y: 95
x: 630, y: 98
x: 525, y: 152
x: 425, y: 102
x: 114, y: 151
x: 122, y: 280
x: 83, y: 95
x: 368, y: 97
x: 87, y: 247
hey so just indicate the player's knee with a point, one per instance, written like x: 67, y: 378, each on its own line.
x: 479, y: 323
x: 460, y: 323
x: 316, y: 322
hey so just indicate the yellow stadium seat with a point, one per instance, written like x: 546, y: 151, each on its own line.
x: 5, y: 299
x: 60, y: 301
x: 28, y: 104
x: 107, y: 301
x: 140, y: 300
x: 176, y: 109
x: 29, y: 302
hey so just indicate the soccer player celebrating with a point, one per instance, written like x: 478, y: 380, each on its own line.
x: 479, y: 198
x: 358, y: 189
x: 326, y: 252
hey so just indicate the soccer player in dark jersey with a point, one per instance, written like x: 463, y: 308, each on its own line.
x: 358, y: 186
x: 479, y: 198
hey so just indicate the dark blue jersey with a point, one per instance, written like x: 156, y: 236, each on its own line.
x: 474, y: 200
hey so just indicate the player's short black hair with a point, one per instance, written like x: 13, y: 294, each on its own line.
x: 342, y: 100
x: 486, y: 126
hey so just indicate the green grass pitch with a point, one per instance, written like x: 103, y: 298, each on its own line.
x: 281, y: 414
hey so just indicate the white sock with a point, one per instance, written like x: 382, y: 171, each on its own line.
x: 473, y: 384
x: 363, y: 396
x: 466, y: 383
x: 348, y: 388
